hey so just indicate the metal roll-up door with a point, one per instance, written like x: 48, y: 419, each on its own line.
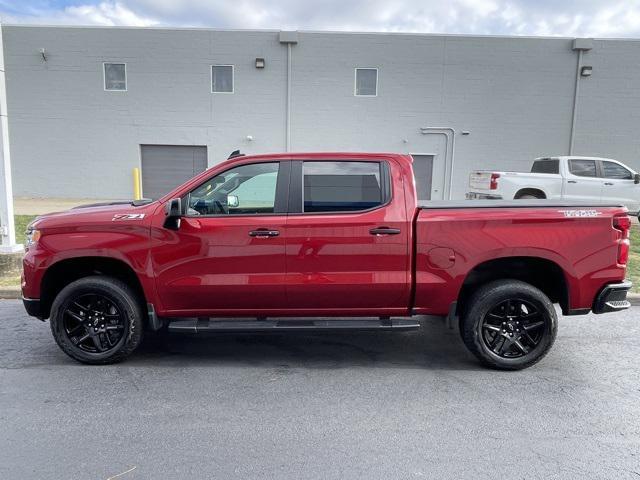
x: 164, y: 167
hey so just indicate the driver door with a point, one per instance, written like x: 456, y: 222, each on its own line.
x: 228, y: 255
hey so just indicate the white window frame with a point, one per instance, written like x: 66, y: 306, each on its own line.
x: 233, y: 77
x: 104, y: 77
x: 355, y: 81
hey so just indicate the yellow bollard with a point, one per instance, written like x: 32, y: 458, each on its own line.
x: 137, y: 188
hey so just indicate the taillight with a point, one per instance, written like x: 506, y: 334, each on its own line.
x: 622, y: 223
x: 494, y: 181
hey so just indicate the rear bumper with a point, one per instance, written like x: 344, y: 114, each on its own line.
x: 482, y: 196
x: 612, y: 298
x: 33, y: 307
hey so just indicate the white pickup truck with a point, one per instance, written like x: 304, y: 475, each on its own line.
x: 570, y: 178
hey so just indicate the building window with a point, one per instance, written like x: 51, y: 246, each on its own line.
x: 222, y: 78
x: 341, y: 186
x: 366, y: 82
x: 115, y: 77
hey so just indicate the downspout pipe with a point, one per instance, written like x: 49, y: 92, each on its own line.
x: 450, y: 136
x: 580, y: 45
x: 289, y: 39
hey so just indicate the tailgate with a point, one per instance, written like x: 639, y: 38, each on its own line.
x: 480, y: 180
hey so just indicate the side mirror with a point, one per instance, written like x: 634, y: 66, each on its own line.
x: 173, y: 211
x: 636, y: 178
x: 233, y: 201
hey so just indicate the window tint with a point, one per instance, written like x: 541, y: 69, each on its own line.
x: 341, y: 186
x: 366, y: 82
x: 613, y: 170
x: 248, y: 189
x: 115, y: 76
x: 583, y: 168
x: 222, y: 78
x: 545, y: 166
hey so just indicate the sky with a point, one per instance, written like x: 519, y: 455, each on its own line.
x: 571, y: 18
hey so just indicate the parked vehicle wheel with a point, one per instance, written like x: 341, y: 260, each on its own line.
x: 509, y: 324
x: 97, y: 320
x: 528, y: 196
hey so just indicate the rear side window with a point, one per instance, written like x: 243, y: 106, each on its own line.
x: 613, y: 170
x: 546, y: 166
x: 342, y: 186
x: 583, y: 168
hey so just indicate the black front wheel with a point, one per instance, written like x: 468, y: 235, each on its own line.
x: 509, y: 324
x: 97, y: 320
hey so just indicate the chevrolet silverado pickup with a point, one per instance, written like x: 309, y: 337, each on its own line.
x: 321, y: 241
x: 584, y: 179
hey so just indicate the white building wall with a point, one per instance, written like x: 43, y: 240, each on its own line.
x: 70, y: 138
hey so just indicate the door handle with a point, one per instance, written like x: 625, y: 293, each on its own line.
x: 608, y: 183
x: 384, y: 231
x: 264, y: 233
x: 572, y: 181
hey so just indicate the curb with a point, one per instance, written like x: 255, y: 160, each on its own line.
x: 8, y: 293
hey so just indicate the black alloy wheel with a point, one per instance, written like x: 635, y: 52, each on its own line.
x: 513, y: 328
x: 93, y: 323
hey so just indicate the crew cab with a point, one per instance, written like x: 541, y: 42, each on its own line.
x: 585, y: 179
x: 321, y: 241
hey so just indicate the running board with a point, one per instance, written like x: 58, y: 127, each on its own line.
x: 199, y: 325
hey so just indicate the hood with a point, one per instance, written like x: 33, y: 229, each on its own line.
x: 135, y: 210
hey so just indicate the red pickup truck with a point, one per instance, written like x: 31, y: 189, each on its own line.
x: 321, y: 241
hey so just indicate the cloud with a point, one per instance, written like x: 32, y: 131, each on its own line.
x: 599, y: 18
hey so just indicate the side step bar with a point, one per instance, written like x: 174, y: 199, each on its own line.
x: 199, y: 325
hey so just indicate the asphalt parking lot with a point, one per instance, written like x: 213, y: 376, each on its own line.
x: 358, y: 405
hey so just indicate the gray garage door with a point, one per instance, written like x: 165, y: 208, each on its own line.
x: 423, y: 171
x: 164, y: 167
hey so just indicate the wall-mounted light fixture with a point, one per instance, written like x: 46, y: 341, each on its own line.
x: 43, y: 52
x: 260, y: 63
x: 586, y: 71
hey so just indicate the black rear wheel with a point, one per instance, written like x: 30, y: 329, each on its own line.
x: 97, y: 320
x: 509, y: 324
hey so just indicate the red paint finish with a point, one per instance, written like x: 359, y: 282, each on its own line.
x: 327, y: 264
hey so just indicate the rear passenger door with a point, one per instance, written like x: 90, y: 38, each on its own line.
x: 581, y: 181
x: 347, y: 238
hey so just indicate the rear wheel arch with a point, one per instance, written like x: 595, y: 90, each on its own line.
x: 525, y: 193
x: 544, y: 274
x: 63, y: 272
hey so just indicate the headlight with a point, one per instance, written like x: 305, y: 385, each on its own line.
x: 33, y: 236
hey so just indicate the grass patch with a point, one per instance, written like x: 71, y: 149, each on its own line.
x: 633, y: 268
x: 21, y: 222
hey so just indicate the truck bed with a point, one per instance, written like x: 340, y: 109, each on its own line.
x: 455, y: 238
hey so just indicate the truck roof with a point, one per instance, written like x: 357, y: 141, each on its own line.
x: 574, y: 157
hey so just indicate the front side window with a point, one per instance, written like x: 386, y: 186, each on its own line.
x: 243, y: 190
x: 222, y: 78
x: 614, y: 170
x: 341, y: 186
x: 366, y: 82
x: 115, y: 77
x: 583, y: 168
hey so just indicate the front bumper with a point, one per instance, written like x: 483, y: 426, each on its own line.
x: 482, y: 196
x: 33, y: 307
x: 612, y: 298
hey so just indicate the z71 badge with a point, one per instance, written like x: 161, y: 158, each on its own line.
x: 127, y: 216
x: 580, y: 213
